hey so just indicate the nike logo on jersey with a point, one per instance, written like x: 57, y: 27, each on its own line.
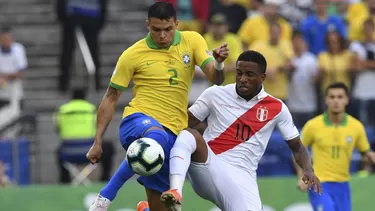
x: 149, y: 63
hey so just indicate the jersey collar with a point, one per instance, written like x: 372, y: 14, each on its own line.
x: 262, y: 94
x: 151, y: 44
x: 328, y: 123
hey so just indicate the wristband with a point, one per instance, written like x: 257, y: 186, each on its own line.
x: 219, y: 66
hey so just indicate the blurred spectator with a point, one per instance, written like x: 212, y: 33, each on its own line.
x: 338, y: 7
x: 90, y: 16
x: 356, y: 15
x: 192, y: 14
x: 363, y: 90
x: 244, y: 3
x: 316, y: 26
x: 336, y: 63
x: 302, y: 95
x: 4, y: 180
x: 278, y: 54
x: 217, y: 35
x: 12, y: 63
x: 75, y: 122
x: 295, y: 10
x: 258, y: 27
x: 234, y: 13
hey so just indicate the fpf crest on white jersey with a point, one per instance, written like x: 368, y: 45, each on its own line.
x: 238, y: 131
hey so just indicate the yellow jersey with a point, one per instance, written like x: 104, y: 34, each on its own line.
x: 162, y: 77
x: 235, y: 46
x: 337, y: 68
x: 276, y: 56
x: 257, y: 28
x: 332, y: 146
x: 356, y: 16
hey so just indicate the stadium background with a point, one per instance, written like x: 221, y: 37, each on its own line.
x: 28, y: 140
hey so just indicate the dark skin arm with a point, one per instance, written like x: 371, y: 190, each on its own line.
x: 196, y: 124
x: 104, y: 117
x: 304, y: 168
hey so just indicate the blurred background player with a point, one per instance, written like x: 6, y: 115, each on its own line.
x: 333, y: 136
x: 162, y: 66
x: 241, y: 118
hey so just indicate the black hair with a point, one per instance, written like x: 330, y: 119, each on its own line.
x: 79, y: 93
x: 256, y: 57
x: 338, y: 85
x: 343, y: 42
x: 297, y: 33
x: 162, y: 10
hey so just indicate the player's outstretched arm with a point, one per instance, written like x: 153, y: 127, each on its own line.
x: 305, y: 170
x: 215, y: 70
x: 104, y: 116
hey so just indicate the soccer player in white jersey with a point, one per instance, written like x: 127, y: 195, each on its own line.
x: 240, y: 120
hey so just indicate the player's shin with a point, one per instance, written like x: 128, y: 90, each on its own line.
x: 180, y: 157
x: 122, y: 174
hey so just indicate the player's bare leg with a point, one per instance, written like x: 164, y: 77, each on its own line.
x: 154, y: 203
x: 189, y: 146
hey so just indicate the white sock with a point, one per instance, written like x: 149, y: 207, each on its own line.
x: 180, y: 157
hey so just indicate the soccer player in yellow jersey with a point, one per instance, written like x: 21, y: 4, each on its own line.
x: 162, y: 67
x: 333, y: 137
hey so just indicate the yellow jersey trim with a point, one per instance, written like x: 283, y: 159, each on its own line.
x: 205, y: 62
x: 116, y: 86
x: 151, y: 44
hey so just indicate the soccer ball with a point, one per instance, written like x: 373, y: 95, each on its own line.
x: 145, y: 156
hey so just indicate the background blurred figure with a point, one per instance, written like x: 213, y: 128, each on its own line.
x: 218, y: 34
x: 234, y: 13
x: 90, y: 16
x: 302, y: 95
x: 356, y: 15
x: 192, y: 14
x: 316, y: 26
x: 75, y: 122
x: 294, y: 11
x: 257, y: 27
x: 363, y: 90
x: 13, y: 62
x: 4, y: 180
x: 278, y: 53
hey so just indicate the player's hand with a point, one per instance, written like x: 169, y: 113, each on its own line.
x: 221, y: 53
x: 95, y: 153
x: 312, y: 181
x: 302, y: 186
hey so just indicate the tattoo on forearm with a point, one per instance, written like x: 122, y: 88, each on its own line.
x: 301, y: 155
x: 112, y: 94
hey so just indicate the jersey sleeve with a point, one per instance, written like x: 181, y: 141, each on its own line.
x: 123, y: 71
x: 286, y: 125
x: 362, y: 143
x: 202, y: 106
x: 307, y: 134
x: 202, y: 56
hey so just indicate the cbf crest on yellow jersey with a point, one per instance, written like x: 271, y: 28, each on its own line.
x: 332, y: 146
x: 162, y: 77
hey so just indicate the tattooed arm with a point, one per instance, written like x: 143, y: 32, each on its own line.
x: 105, y: 112
x: 301, y: 156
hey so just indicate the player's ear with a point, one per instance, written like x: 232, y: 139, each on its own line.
x: 147, y: 24
x: 177, y: 22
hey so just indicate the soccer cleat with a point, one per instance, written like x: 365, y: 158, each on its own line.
x: 172, y: 200
x: 142, y: 206
x: 100, y: 204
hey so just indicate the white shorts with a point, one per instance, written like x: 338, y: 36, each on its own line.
x: 228, y: 187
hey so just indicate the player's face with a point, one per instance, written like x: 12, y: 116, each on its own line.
x: 5, y: 40
x: 162, y: 31
x: 248, y: 78
x: 336, y: 100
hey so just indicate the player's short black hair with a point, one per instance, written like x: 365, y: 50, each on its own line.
x: 79, y: 93
x: 338, y: 85
x: 256, y: 57
x: 297, y: 33
x: 162, y: 10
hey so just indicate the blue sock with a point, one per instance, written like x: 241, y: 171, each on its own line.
x: 122, y: 174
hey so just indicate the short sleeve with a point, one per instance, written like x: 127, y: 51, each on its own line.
x: 202, y: 106
x: 21, y: 57
x: 202, y: 56
x: 123, y: 71
x: 307, y: 134
x: 362, y: 143
x: 358, y: 49
x: 286, y: 125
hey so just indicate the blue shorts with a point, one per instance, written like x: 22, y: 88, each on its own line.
x: 133, y: 127
x: 335, y: 197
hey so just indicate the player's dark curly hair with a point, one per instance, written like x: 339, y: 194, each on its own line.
x: 162, y: 10
x: 256, y: 57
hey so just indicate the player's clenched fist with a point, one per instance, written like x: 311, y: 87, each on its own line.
x: 221, y: 53
x: 95, y: 153
x: 311, y: 181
